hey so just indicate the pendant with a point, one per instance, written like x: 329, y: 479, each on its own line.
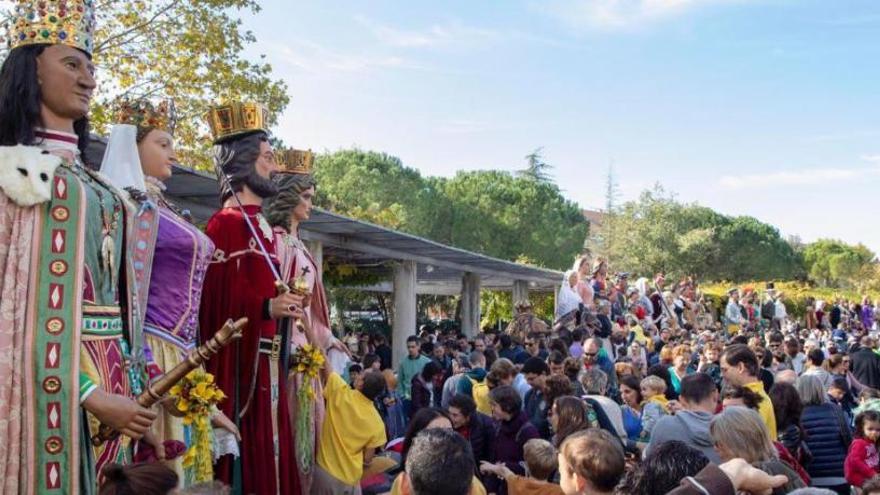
x: 108, y: 262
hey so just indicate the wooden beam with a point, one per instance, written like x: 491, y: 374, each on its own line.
x: 343, y: 242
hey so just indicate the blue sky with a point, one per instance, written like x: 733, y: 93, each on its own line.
x: 763, y: 108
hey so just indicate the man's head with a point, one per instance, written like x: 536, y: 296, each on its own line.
x: 373, y: 384
x: 480, y: 344
x: 775, y: 345
x: 590, y: 461
x: 816, y: 357
x: 536, y: 371
x: 477, y: 360
x: 439, y: 350
x: 463, y: 344
x: 532, y: 343
x: 413, y: 346
x: 556, y: 362
x: 461, y: 408
x: 698, y: 393
x: 591, y: 350
x: 786, y: 376
x: 439, y: 462
x: 792, y: 346
x: 249, y: 161
x: 739, y: 366
x: 594, y: 381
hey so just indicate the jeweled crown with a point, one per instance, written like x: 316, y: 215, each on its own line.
x: 52, y: 22
x: 143, y: 113
x: 293, y: 161
x: 233, y: 119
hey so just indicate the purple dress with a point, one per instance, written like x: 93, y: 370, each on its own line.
x: 179, y: 266
x: 171, y: 324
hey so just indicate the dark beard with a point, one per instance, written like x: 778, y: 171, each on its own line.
x: 261, y: 186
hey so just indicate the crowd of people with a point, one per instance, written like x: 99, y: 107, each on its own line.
x: 637, y: 389
x: 107, y: 291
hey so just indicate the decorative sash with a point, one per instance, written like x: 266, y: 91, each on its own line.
x: 53, y: 340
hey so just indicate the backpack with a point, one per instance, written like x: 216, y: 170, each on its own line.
x: 768, y: 310
x: 480, y: 393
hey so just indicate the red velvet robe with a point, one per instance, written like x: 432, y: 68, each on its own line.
x: 238, y: 283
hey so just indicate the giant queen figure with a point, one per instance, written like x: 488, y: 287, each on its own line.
x: 299, y: 269
x: 241, y: 282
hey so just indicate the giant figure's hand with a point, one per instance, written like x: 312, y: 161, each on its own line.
x: 120, y: 413
x: 285, y: 305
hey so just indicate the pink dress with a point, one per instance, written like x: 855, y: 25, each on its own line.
x: 306, y: 416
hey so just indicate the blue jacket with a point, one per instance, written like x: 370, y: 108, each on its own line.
x: 828, y: 438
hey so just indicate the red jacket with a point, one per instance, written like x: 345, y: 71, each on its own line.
x: 862, y: 462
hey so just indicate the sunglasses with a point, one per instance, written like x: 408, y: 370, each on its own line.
x: 591, y: 354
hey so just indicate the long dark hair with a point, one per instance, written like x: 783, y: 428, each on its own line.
x: 419, y: 422
x: 21, y: 100
x: 278, y: 208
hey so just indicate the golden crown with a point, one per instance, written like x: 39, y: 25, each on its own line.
x: 143, y: 113
x: 52, y: 22
x: 237, y: 118
x: 293, y: 161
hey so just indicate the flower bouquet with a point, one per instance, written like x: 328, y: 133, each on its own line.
x: 197, y: 397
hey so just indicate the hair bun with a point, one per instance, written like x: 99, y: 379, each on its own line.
x: 114, y: 472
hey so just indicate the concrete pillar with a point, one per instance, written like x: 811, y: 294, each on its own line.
x: 470, y: 304
x: 520, y: 291
x: 403, y: 321
x: 316, y: 248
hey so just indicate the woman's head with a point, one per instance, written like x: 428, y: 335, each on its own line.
x: 681, y: 355
x: 810, y: 390
x: 138, y: 479
x: 568, y: 415
x: 293, y: 201
x: 740, y: 432
x: 45, y: 86
x: 631, y: 391
x: 506, y: 402
x: 426, y: 417
x: 787, y: 406
x: 662, y: 470
x: 156, y: 152
x: 735, y: 395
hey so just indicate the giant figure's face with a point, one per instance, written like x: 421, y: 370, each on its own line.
x: 67, y: 80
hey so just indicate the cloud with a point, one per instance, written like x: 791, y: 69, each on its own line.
x: 617, y: 14
x: 312, y: 57
x: 436, y: 35
x: 808, y: 176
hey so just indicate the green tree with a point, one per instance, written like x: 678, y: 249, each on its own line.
x: 186, y: 50
x: 536, y: 168
x: 833, y: 263
x: 658, y: 233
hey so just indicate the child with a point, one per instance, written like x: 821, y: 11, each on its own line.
x: 863, y: 461
x: 868, y: 399
x: 709, y: 360
x: 654, y: 405
x: 591, y: 462
x: 541, y: 461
